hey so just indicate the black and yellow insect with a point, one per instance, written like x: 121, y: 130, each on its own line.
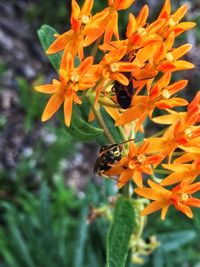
x: 108, y: 155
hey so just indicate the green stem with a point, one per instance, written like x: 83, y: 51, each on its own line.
x: 157, y: 134
x: 178, y: 153
x: 125, y: 191
x: 100, y: 121
x: 141, y: 228
x: 95, y: 47
x: 159, y: 171
x: 108, y: 104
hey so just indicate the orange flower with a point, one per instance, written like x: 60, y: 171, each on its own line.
x: 183, y: 132
x: 160, y: 97
x: 194, y: 107
x: 172, y: 21
x: 192, y: 115
x: 81, y: 24
x: 192, y: 152
x: 181, y: 172
x: 112, y: 67
x: 170, y: 60
x: 71, y: 80
x: 109, y: 24
x: 136, y: 163
x: 180, y: 197
x: 139, y: 33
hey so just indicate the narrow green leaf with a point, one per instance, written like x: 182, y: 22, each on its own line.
x: 20, y: 242
x: 46, y: 37
x: 111, y: 126
x: 174, y: 240
x: 81, y: 129
x: 120, y: 233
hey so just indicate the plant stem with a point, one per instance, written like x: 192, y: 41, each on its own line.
x: 95, y: 47
x: 108, y: 104
x: 100, y: 121
x: 157, y: 134
x: 125, y: 191
x: 178, y: 153
x: 161, y: 171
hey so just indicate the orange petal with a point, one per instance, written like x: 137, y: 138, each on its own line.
x: 149, y: 193
x: 193, y: 188
x: 131, y: 27
x: 180, y: 51
x: 184, y: 209
x: 166, y: 10
x: 158, y: 188
x: 124, y: 178
x: 127, y: 67
x: 52, y: 106
x: 168, y: 119
x: 170, y: 41
x: 154, y: 206
x: 164, y: 211
x: 87, y: 7
x: 47, y: 88
x: 130, y: 115
x: 113, y: 112
x: 67, y: 62
x: 193, y: 202
x: 119, y: 4
x: 85, y: 65
x: 117, y: 76
x: 142, y: 16
x: 156, y: 26
x: 173, y: 178
x: 183, y: 65
x: 110, y: 29
x: 63, y: 77
x: 177, y: 86
x: 180, y: 13
x: 167, y: 66
x: 137, y: 178
x: 60, y: 43
x: 132, y: 150
x: 68, y: 109
x: 91, y: 116
x: 184, y: 26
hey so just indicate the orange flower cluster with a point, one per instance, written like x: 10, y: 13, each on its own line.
x: 131, y: 80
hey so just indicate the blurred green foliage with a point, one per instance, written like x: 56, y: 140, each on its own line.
x: 43, y: 222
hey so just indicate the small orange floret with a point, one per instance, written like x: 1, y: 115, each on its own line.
x: 71, y: 80
x: 180, y: 197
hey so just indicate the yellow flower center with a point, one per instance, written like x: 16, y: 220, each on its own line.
x: 184, y: 197
x: 188, y: 132
x: 74, y: 77
x: 114, y: 67
x: 85, y: 19
x: 172, y: 23
x: 142, y: 31
x: 166, y: 94
x: 141, y: 158
x: 169, y: 57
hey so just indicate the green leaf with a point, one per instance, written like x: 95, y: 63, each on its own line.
x: 81, y: 129
x: 46, y: 36
x: 174, y: 240
x: 111, y: 126
x: 120, y: 233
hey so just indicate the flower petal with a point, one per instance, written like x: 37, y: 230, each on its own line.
x: 52, y: 106
x: 47, y: 88
x: 60, y: 43
x: 142, y: 16
x: 68, y: 109
x: 154, y: 206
